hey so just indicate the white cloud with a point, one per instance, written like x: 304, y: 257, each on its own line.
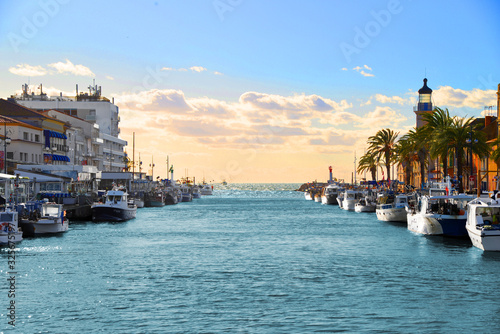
x: 168, y: 100
x: 109, y: 77
x: 217, y: 73
x: 394, y: 99
x: 455, y: 97
x: 361, y: 70
x: 28, y: 70
x: 69, y: 67
x: 197, y: 69
x: 300, y: 102
x: 381, y: 117
x: 343, y: 69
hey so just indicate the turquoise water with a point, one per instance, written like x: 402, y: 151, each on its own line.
x: 251, y: 259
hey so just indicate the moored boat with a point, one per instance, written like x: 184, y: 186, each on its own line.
x: 440, y: 215
x: 393, y: 208
x: 52, y: 220
x: 350, y: 198
x: 366, y: 204
x: 10, y: 231
x: 482, y: 224
x: 115, y: 208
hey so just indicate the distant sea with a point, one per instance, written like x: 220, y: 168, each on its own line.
x: 252, y: 258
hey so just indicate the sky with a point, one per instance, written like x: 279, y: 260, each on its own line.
x: 256, y: 91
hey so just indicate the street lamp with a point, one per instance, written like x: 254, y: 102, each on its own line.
x: 6, y: 141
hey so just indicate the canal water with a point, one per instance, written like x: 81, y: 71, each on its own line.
x: 250, y: 259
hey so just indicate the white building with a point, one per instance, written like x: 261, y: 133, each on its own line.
x: 93, y: 108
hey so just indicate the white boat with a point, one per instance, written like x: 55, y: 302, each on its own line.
x: 195, y: 191
x: 340, y: 198
x: 317, y: 197
x: 186, y: 193
x: 482, y: 223
x: 52, y: 220
x: 115, y: 208
x: 351, y: 197
x: 393, y: 208
x: 440, y: 215
x: 9, y: 228
x: 366, y: 204
x: 206, y: 190
x: 330, y: 194
x: 138, y: 197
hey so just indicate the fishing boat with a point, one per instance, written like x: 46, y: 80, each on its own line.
x: 351, y: 197
x: 206, y: 190
x: 367, y: 203
x: 171, y: 196
x: 195, y: 191
x: 154, y: 199
x: 317, y: 197
x: 9, y: 228
x: 330, y: 194
x: 440, y: 215
x: 186, y: 193
x: 51, y: 220
x: 392, y: 207
x: 138, y: 197
x: 482, y: 224
x: 115, y: 208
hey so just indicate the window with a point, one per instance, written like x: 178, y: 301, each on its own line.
x: 37, y: 138
x: 31, y: 136
x: 25, y: 136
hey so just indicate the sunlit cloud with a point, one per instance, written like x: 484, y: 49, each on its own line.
x: 28, y: 70
x: 362, y: 71
x: 458, y: 98
x: 197, y: 69
x: 69, y: 68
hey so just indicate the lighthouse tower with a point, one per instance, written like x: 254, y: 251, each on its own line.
x: 424, y: 103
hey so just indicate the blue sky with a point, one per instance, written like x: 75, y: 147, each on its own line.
x: 205, y: 58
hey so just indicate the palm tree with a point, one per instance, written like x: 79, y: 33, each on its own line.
x: 437, y: 122
x: 404, y: 157
x: 368, y: 162
x: 417, y: 142
x: 457, y: 136
x: 382, y: 145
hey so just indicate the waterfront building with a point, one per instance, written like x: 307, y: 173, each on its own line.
x: 93, y: 108
x: 21, y: 143
x: 48, y: 147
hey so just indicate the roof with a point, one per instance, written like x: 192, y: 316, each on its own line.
x: 13, y: 109
x: 425, y: 89
x: 13, y: 122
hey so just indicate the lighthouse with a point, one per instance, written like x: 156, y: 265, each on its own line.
x: 424, y: 103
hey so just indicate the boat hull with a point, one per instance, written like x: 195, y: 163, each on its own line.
x: 9, y: 238
x: 487, y: 240
x: 331, y: 199
x: 171, y: 199
x: 154, y: 204
x: 392, y: 214
x: 364, y: 208
x: 348, y: 204
x: 112, y: 214
x: 43, y: 227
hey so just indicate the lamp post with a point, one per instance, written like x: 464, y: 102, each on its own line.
x: 6, y: 140
x: 152, y: 165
